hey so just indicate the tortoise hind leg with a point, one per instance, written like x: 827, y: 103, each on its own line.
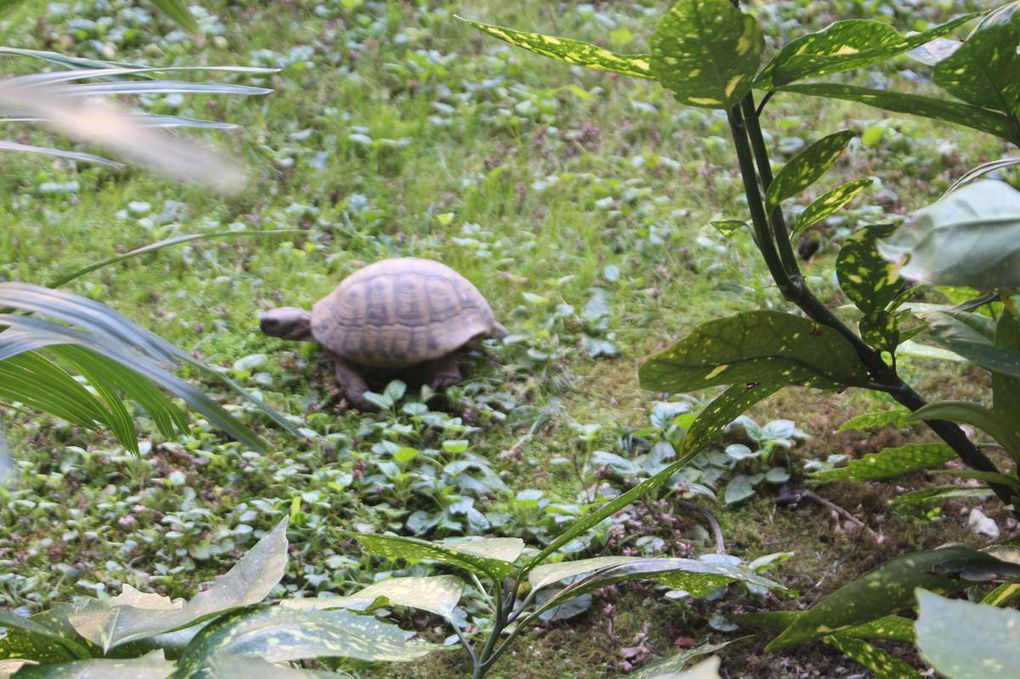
x: 353, y: 385
x: 444, y: 372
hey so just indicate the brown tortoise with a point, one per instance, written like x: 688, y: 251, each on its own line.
x: 397, y: 315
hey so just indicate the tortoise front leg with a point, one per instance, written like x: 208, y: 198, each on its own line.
x: 444, y: 372
x: 353, y: 385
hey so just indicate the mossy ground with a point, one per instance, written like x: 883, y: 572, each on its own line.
x: 396, y: 130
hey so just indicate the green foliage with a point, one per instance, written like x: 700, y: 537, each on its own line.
x: 890, y: 463
x: 491, y: 557
x: 872, y: 284
x: 878, y: 661
x: 964, y: 640
x: 983, y: 71
x: 707, y: 52
x: 829, y: 204
x: 807, y: 167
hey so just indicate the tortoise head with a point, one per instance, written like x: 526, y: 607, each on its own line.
x: 288, y: 322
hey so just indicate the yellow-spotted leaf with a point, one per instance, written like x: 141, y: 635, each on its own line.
x: 890, y: 462
x: 985, y: 71
x: 707, y: 52
x: 955, y: 112
x: 807, y: 167
x: 767, y: 347
x: 879, y: 662
x: 492, y: 557
x: 843, y: 46
x: 829, y: 204
x: 437, y: 594
x: 872, y: 284
x: 151, y: 666
x: 885, y: 418
x: 570, y: 51
x: 962, y: 640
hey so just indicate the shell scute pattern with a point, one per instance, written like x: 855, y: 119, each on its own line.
x: 401, y: 312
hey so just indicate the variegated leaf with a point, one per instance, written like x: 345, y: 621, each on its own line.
x: 890, y: 462
x: 872, y: 283
x: 707, y: 52
x: 570, y: 51
x: 829, y: 204
x: 807, y: 167
x: 985, y: 71
x: 885, y: 418
x: 493, y: 557
x: 437, y: 594
x: 881, y: 663
x: 963, y: 640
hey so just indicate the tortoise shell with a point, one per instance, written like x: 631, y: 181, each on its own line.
x: 401, y: 312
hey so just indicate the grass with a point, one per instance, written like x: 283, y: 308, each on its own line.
x: 395, y: 130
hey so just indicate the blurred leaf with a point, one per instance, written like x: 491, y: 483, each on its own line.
x: 278, y: 635
x: 707, y: 52
x: 1003, y: 428
x: 962, y: 640
x: 493, y: 557
x: 953, y: 112
x: 437, y: 594
x: 843, y: 46
x: 34, y: 639
x: 570, y: 51
x: 981, y: 170
x: 677, y: 666
x: 752, y: 347
x: 177, y: 10
x: 972, y: 336
x: 930, y: 496
x: 889, y: 463
x: 58, y: 153
x: 1005, y: 386
x: 151, y: 666
x: 740, y: 488
x: 807, y: 167
x: 934, y: 51
x: 898, y: 417
x: 878, y: 662
x: 829, y: 204
x: 969, y: 238
x: 985, y: 70
x: 227, y: 666
x: 133, y: 616
x: 877, y: 593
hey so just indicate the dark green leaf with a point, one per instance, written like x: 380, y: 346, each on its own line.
x: 871, y: 283
x: 178, y: 11
x: 709, y: 424
x: 1006, y: 387
x: 972, y: 336
x: 570, y: 51
x: 493, y: 557
x: 755, y: 347
x: 707, y: 52
x: 889, y: 628
x: 877, y: 593
x: 829, y: 204
x: 879, y: 662
x: 890, y: 462
x: 807, y: 167
x: 1002, y: 428
x: 284, y: 635
x: 887, y: 418
x: 133, y: 616
x: 843, y: 46
x: 954, y: 112
x: 962, y: 640
x: 34, y: 639
x: 151, y: 666
x: 985, y: 71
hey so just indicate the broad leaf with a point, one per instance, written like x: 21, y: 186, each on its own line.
x: 872, y: 284
x: 284, y: 635
x: 882, y: 664
x: 807, y: 167
x: 985, y: 71
x: 707, y: 52
x: 133, y: 616
x: 970, y: 238
x: 890, y: 462
x: 437, y: 594
x: 679, y: 666
x: 755, y: 347
x: 888, y: 628
x: 972, y: 336
x: 1006, y: 387
x: 36, y: 639
x: 935, y: 51
x: 962, y: 640
x: 570, y: 51
x: 227, y: 666
x: 1004, y: 429
x: 708, y: 426
x: 886, y: 418
x: 843, y: 46
x: 877, y: 593
x: 151, y: 666
x: 829, y: 204
x: 493, y: 557
x: 953, y: 112
x: 930, y: 496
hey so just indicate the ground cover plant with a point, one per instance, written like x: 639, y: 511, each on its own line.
x: 546, y: 450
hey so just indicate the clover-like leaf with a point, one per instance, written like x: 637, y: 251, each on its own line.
x: 707, y: 52
x: 963, y: 640
x: 133, y: 616
x: 437, y: 594
x: 284, y: 635
x: 807, y: 167
x: 890, y: 462
x: 879, y: 592
x: 829, y: 204
x: 755, y: 347
x: 570, y: 51
x: 985, y: 70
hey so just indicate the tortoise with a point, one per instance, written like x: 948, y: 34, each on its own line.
x: 398, y: 316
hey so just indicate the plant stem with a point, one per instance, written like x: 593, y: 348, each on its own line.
x: 485, y: 658
x: 793, y: 287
